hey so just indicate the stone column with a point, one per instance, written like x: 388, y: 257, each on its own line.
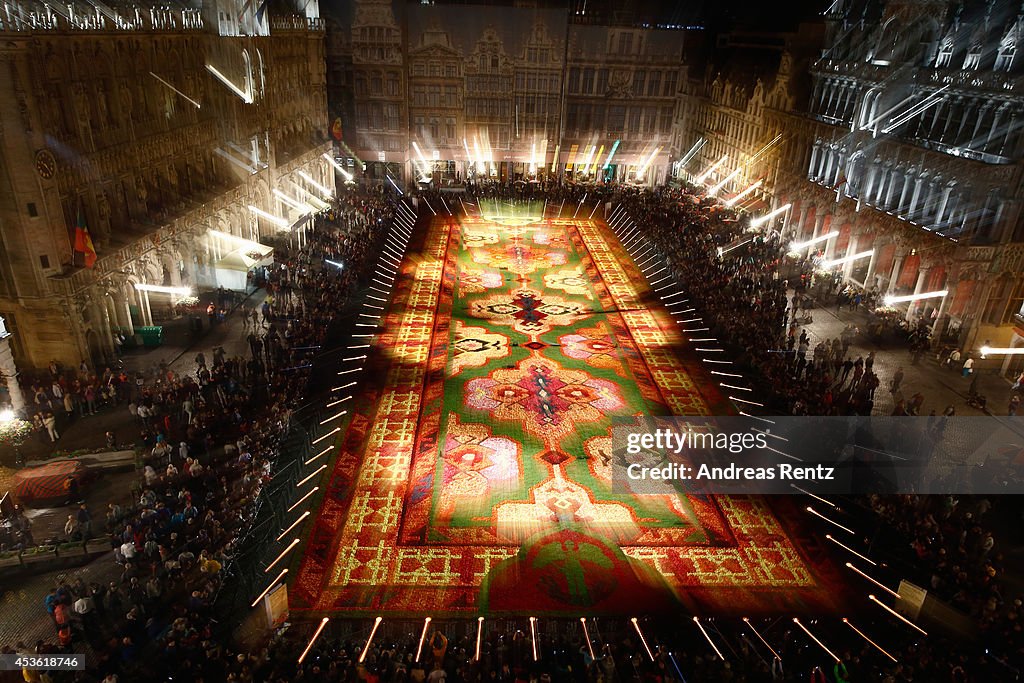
x: 799, y: 229
x: 870, y: 184
x: 819, y: 221
x: 872, y: 263
x: 915, y: 196
x: 942, y: 206
x: 922, y: 276
x: 894, y: 276
x: 940, y: 320
x: 10, y: 371
x: 851, y: 249
x: 812, y: 170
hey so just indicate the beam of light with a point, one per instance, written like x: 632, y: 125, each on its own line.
x: 711, y: 169
x: 996, y: 350
x: 741, y: 195
x: 269, y: 586
x: 821, y: 644
x: 725, y: 181
x: 818, y: 514
x: 337, y: 264
x: 291, y: 546
x: 846, y: 259
x: 319, y: 630
x: 314, y: 200
x: 479, y: 633
x: 533, y: 636
x: 861, y: 633
x: 312, y: 474
x: 276, y: 220
x: 190, y: 100
x: 697, y: 146
x: 180, y: 291
x: 597, y: 160
x: 422, y: 165
x: 761, y: 638
x: 915, y: 110
x: 586, y: 635
x: 323, y: 188
x: 469, y: 158
x: 340, y: 400
x: 337, y: 166
x: 816, y: 497
x: 244, y: 166
x: 246, y: 97
x: 795, y: 247
x: 587, y: 159
x: 303, y: 499
x: 611, y: 153
x: 756, y: 223
x: 334, y: 417
x: 636, y: 625
x: 333, y: 431
x: 298, y: 206
x: 241, y: 240
x: 320, y: 454
x: 896, y: 614
x: 423, y: 637
x: 647, y: 164
x: 723, y: 252
x: 672, y: 296
x: 764, y: 149
x: 718, y: 652
x: 293, y: 525
x: 890, y: 300
x: 391, y: 180
x: 373, y: 632
x: 872, y: 580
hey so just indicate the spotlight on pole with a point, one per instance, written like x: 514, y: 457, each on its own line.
x: 312, y: 640
x: 269, y: 586
x: 636, y: 625
x: 896, y: 614
x: 876, y: 645
x: 284, y: 552
x: 586, y: 635
x: 423, y: 637
x: 821, y: 644
x: 872, y: 580
x: 479, y: 633
x: 837, y: 524
x: 373, y: 632
x: 761, y: 638
x: 533, y: 636
x: 718, y: 652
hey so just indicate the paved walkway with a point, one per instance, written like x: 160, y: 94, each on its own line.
x: 178, y: 351
x: 21, y: 598
x: 940, y: 386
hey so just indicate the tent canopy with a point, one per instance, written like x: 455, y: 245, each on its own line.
x: 47, y: 481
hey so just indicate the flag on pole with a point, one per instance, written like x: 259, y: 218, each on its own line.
x: 83, y: 242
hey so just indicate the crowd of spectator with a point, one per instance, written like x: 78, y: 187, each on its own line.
x: 210, y: 440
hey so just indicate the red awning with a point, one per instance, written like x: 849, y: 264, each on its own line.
x: 46, y: 481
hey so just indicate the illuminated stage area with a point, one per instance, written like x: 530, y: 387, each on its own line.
x: 475, y: 479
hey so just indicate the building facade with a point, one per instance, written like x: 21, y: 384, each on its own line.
x: 159, y: 132
x: 910, y: 151
x: 511, y: 93
x: 906, y: 146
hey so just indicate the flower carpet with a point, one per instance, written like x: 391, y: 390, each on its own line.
x: 475, y: 478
